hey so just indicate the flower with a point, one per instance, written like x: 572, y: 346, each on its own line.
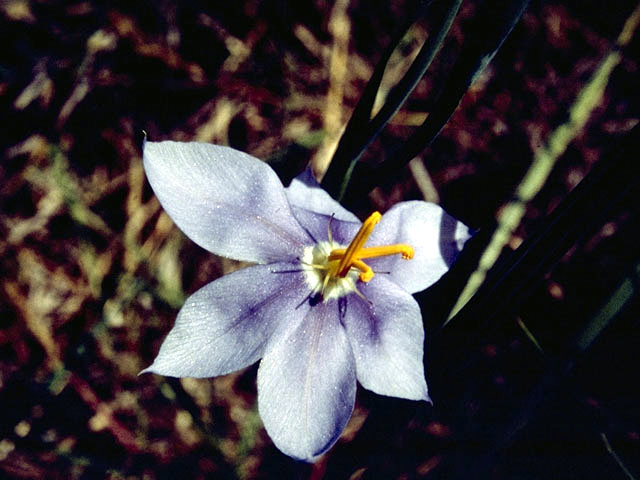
x: 319, y: 308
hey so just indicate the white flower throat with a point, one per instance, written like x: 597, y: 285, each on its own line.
x: 333, y: 270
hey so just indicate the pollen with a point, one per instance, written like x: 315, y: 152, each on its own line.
x: 333, y: 270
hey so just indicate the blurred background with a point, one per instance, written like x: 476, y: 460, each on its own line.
x: 93, y: 272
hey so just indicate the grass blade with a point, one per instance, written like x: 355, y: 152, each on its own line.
x: 489, y: 32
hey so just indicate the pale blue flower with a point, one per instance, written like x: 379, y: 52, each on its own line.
x: 318, y: 317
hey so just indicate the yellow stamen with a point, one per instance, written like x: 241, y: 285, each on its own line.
x: 366, y: 274
x: 352, y: 256
x: 372, y: 252
x: 358, y: 242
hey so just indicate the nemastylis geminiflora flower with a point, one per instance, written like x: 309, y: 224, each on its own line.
x: 327, y: 303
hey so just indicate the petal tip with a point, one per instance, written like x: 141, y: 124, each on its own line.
x: 153, y: 368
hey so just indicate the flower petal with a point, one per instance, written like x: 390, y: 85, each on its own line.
x: 436, y: 237
x: 387, y: 339
x: 305, y: 192
x: 307, y: 384
x: 225, y: 325
x: 226, y: 201
x: 317, y: 226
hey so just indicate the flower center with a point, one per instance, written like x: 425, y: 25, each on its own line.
x: 333, y: 270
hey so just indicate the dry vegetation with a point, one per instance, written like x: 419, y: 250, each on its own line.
x: 94, y: 272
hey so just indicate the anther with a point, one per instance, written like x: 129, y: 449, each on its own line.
x: 352, y: 256
x: 358, y: 242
